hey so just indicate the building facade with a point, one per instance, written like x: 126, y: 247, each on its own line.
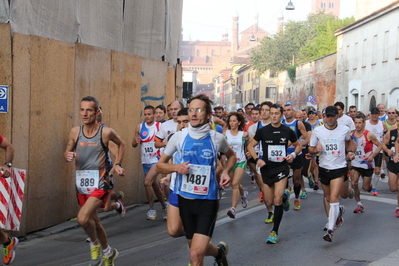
x: 368, y: 60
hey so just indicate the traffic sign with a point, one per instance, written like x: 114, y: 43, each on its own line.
x: 313, y: 101
x: 3, y: 99
x: 309, y: 97
x: 288, y: 103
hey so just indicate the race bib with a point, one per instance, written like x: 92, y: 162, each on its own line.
x: 276, y: 153
x: 359, y: 154
x: 148, y: 148
x: 196, y: 181
x: 331, y: 147
x: 87, y: 181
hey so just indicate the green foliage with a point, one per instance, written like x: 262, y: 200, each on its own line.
x: 291, y: 70
x: 301, y: 41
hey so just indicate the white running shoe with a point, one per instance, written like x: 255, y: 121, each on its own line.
x: 244, y: 200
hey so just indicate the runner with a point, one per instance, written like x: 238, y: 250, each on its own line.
x: 343, y: 119
x: 265, y: 112
x: 363, y: 163
x: 9, y: 243
x: 196, y: 182
x: 378, y: 128
x: 160, y: 113
x: 390, y: 147
x: 298, y: 115
x: 382, y: 115
x: 299, y: 129
x: 144, y: 135
x: 89, y: 145
x: 353, y: 112
x: 174, y: 223
x: 314, y: 122
x: 236, y: 138
x: 332, y: 140
x: 274, y: 164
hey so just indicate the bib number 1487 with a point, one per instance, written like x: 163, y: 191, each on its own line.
x: 196, y: 179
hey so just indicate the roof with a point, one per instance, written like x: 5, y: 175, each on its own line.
x: 197, y: 61
x: 250, y: 31
x: 392, y: 6
x: 206, y: 43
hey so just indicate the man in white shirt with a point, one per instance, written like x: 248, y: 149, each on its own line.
x: 343, y: 119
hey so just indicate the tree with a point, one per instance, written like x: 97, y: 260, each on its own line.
x: 299, y: 42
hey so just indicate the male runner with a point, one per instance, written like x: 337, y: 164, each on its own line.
x: 265, y: 113
x: 274, y: 163
x: 343, y: 119
x: 296, y: 165
x: 382, y: 115
x: 196, y: 182
x: 332, y: 140
x: 363, y: 164
x: 377, y: 127
x: 9, y: 243
x: 160, y: 113
x: 352, y: 112
x: 89, y: 145
x: 145, y: 135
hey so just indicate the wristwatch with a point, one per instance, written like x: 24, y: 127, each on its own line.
x: 8, y: 164
x: 119, y: 164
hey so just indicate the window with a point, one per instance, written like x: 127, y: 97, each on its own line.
x: 364, y: 53
x: 213, y: 53
x: 198, y: 53
x: 374, y: 55
x: 323, y: 5
x: 330, y: 5
x: 270, y: 91
x: 385, y: 48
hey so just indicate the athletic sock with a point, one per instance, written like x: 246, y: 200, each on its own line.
x: 94, y: 243
x: 152, y: 208
x: 164, y: 205
x: 107, y: 251
x: 118, y: 205
x: 359, y: 203
x: 333, y: 215
x: 278, y: 216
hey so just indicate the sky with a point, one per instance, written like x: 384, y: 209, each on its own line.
x: 207, y: 20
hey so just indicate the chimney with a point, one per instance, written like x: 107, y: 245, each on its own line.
x: 225, y: 37
x: 280, y: 24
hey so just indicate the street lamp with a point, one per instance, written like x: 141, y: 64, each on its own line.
x: 290, y: 6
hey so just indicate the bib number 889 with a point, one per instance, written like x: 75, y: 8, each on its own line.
x: 86, y: 182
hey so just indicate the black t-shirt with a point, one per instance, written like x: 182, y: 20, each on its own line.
x: 274, y: 143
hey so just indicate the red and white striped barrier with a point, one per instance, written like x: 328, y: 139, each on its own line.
x: 11, y: 199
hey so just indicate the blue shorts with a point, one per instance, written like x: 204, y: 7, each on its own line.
x: 146, y: 167
x: 173, y: 199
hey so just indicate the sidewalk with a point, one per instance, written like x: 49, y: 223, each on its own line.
x: 71, y: 224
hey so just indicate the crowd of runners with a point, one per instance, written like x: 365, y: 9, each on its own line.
x: 190, y: 154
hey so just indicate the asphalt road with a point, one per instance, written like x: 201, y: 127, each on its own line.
x: 363, y: 239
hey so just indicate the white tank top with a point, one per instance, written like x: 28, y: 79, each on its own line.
x: 236, y: 143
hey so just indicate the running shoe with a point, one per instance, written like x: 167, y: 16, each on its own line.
x: 121, y: 210
x: 297, y: 205
x: 328, y: 236
x: 316, y: 186
x: 151, y: 214
x: 304, y: 195
x: 311, y: 181
x: 351, y: 193
x: 9, y: 250
x: 359, y: 209
x: 95, y: 252
x: 340, y: 219
x: 252, y: 179
x: 165, y: 211
x: 273, y: 238
x: 121, y: 195
x: 270, y: 218
x: 286, y: 204
x: 109, y: 261
x: 397, y: 213
x: 260, y: 196
x: 374, y: 192
x: 244, y: 200
x: 224, y: 249
x: 326, y: 227
x: 232, y: 213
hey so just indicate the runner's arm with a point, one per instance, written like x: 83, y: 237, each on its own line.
x: 70, y: 153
